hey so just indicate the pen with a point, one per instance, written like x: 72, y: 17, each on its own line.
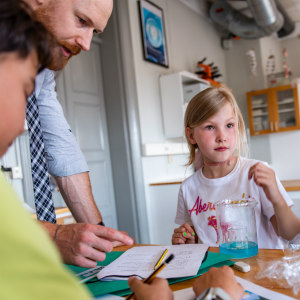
x: 154, y: 273
x: 160, y: 259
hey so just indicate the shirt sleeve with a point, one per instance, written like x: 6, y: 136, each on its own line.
x: 62, y: 151
x: 182, y: 215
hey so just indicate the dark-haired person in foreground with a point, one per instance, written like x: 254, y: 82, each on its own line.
x: 30, y: 266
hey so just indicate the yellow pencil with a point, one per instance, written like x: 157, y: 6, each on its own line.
x: 154, y: 273
x: 160, y: 259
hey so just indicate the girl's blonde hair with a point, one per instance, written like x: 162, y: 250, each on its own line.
x: 206, y: 104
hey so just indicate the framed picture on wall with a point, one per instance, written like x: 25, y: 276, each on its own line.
x: 153, y: 33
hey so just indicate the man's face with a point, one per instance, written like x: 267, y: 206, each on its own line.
x: 73, y: 23
x: 17, y: 78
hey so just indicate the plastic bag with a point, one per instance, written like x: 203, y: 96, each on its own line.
x: 285, y: 271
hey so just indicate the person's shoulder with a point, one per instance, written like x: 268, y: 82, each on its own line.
x: 44, y: 80
x: 191, y: 179
x: 249, y: 162
x: 48, y: 73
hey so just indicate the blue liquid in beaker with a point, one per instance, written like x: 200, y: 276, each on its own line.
x: 239, y: 249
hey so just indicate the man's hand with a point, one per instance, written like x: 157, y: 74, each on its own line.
x: 158, y: 289
x: 84, y: 244
x: 219, y: 277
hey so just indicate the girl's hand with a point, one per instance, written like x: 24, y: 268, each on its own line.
x: 285, y: 222
x: 265, y: 177
x: 157, y: 289
x: 184, y: 234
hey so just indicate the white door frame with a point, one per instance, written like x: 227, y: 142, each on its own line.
x: 123, y: 124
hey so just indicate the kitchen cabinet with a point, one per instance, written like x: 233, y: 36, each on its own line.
x: 274, y: 110
x: 161, y: 209
x: 177, y: 89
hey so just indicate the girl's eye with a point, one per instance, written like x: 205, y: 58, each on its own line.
x: 230, y: 125
x: 209, y: 127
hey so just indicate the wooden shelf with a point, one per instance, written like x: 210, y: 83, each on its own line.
x: 291, y: 185
x: 286, y: 110
x: 260, y: 115
x: 259, y: 106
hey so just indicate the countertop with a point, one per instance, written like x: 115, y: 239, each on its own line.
x: 289, y: 185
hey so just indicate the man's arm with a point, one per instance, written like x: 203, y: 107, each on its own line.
x: 79, y: 244
x: 64, y: 157
x: 84, y: 244
x: 77, y: 193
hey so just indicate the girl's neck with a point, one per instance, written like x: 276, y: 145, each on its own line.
x: 219, y: 169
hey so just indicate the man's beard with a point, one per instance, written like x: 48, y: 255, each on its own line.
x: 59, y: 59
x: 44, y: 15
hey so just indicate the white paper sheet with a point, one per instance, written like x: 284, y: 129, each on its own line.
x: 185, y: 294
x: 261, y: 291
x: 188, y: 294
x: 140, y: 261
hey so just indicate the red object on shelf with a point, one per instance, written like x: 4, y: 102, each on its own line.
x: 205, y: 73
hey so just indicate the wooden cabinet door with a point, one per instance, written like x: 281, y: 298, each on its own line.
x: 260, y: 112
x: 273, y: 110
x: 285, y: 103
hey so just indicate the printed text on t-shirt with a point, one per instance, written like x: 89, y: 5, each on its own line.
x: 198, y: 207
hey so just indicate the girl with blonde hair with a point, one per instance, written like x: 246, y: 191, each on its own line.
x: 215, y: 132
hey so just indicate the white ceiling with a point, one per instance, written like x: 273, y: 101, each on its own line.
x: 292, y: 7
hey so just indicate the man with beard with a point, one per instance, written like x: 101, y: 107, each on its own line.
x: 73, y: 23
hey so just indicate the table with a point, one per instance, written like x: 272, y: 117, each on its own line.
x: 264, y: 255
x: 291, y: 185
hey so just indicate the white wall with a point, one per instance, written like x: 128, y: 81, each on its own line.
x: 285, y: 154
x: 240, y: 80
x: 272, y: 147
x: 293, y: 48
x: 270, y: 45
x: 186, y: 45
x: 285, y: 160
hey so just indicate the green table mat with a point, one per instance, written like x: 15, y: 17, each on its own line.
x: 120, y: 287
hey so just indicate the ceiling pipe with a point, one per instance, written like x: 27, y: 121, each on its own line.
x: 266, y: 18
x: 288, y: 25
x: 266, y: 15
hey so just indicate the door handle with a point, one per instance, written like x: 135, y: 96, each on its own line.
x: 15, y: 172
x: 4, y: 169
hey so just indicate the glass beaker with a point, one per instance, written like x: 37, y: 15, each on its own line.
x: 237, y: 227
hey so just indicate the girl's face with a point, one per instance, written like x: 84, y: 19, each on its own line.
x: 217, y: 136
x: 17, y: 78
